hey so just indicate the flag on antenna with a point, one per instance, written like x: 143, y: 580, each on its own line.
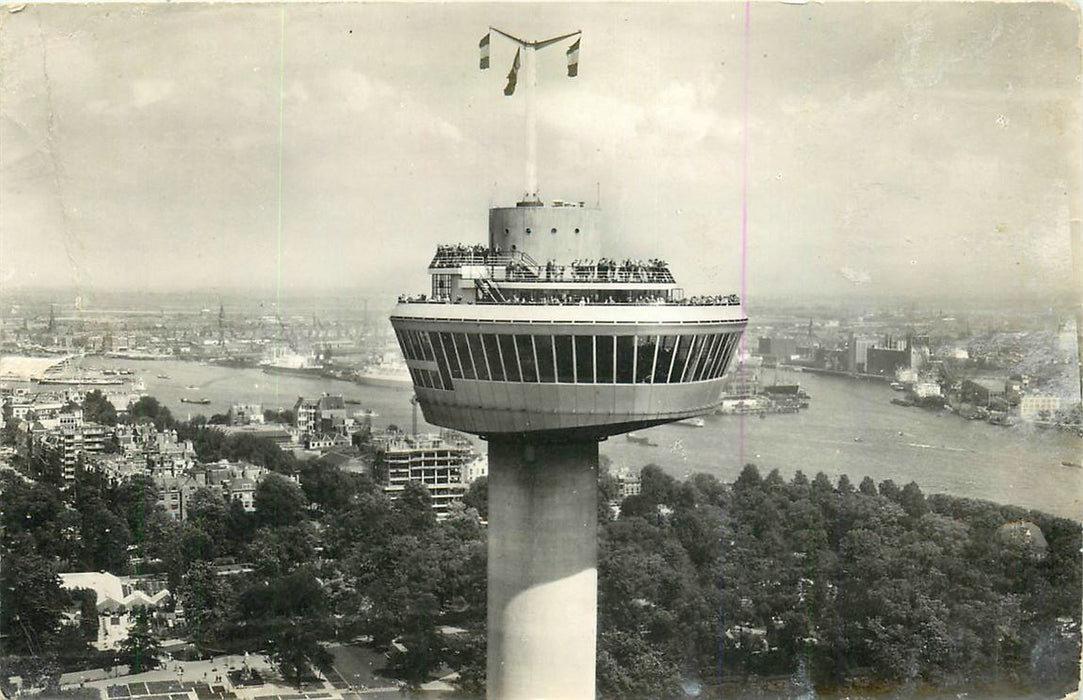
x: 484, y: 46
x: 513, y: 75
x: 573, y: 59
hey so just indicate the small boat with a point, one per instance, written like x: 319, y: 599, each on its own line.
x: 163, y: 376
x: 639, y: 439
x: 201, y: 401
x: 692, y: 422
x: 1075, y: 465
x: 192, y: 388
x: 858, y: 439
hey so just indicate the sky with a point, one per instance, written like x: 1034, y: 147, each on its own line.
x: 889, y: 150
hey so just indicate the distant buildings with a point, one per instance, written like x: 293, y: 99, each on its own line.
x: 245, y: 414
x: 1033, y: 406
x: 234, y: 481
x: 317, y: 420
x: 629, y: 483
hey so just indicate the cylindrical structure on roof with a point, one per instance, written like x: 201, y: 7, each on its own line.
x: 560, y: 233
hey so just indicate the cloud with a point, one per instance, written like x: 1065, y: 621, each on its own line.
x: 855, y: 276
x: 149, y: 92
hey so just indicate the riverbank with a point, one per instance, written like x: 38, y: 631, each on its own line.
x: 850, y: 427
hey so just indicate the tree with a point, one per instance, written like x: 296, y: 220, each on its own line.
x: 329, y: 487
x: 99, y: 409
x: 106, y: 538
x: 135, y: 500
x: 279, y: 501
x: 31, y: 603
x: 281, y: 550
x: 148, y: 408
x: 289, y: 613
x: 207, y: 602
x: 912, y: 500
x: 413, y: 509
x: 208, y: 511
x: 477, y: 497
x: 140, y: 649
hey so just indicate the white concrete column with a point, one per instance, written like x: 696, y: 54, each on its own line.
x: 543, y: 576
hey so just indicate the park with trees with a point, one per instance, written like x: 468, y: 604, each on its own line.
x: 761, y: 586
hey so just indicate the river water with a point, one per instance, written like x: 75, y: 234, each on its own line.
x: 849, y: 428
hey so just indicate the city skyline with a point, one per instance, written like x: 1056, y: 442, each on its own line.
x: 934, y: 153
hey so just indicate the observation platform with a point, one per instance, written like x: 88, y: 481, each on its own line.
x: 581, y: 346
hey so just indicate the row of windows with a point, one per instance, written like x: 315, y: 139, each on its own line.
x: 581, y: 359
x: 553, y: 231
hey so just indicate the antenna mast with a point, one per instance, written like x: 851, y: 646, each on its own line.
x: 527, y: 50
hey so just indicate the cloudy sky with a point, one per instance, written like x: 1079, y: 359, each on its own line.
x: 893, y: 150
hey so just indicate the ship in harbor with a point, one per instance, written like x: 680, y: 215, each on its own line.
x: 291, y: 362
x: 81, y: 380
x: 385, y: 374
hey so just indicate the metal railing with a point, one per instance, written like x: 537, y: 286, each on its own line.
x: 520, y: 267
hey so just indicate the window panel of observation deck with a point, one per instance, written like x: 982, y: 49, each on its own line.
x: 464, y: 356
x: 452, y: 357
x: 723, y: 356
x: 425, y: 345
x: 664, y: 358
x: 441, y: 360
x: 695, y: 344
x: 402, y: 344
x: 604, y: 358
x: 511, y: 362
x: 646, y: 349
x: 543, y: 346
x: 720, y: 354
x: 626, y: 359
x: 412, y: 345
x: 731, y: 352
x: 565, y: 358
x: 584, y: 359
x: 695, y: 373
x: 492, y: 352
x: 705, y: 358
x: 679, y: 359
x: 477, y: 352
x: 526, y: 358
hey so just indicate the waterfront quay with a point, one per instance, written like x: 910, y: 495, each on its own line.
x: 849, y: 427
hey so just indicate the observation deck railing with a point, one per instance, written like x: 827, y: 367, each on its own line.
x: 517, y: 266
x: 720, y: 300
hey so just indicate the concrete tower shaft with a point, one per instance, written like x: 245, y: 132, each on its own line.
x: 543, y: 578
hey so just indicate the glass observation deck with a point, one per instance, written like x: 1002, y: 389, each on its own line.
x: 580, y: 345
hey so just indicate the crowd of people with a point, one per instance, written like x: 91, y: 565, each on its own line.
x: 601, y: 270
x: 459, y: 254
x: 582, y: 300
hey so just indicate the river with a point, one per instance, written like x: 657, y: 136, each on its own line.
x: 850, y: 428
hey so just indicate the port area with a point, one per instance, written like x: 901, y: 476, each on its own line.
x: 776, y: 399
